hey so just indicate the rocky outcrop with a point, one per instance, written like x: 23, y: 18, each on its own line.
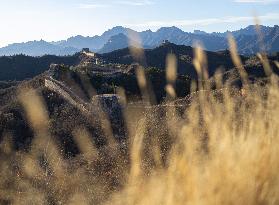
x: 111, y: 107
x: 101, y: 107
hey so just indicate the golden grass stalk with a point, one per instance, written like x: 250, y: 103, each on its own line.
x: 39, y: 121
x: 236, y: 60
x: 200, y: 63
x: 148, y: 96
x: 171, y: 68
x: 264, y: 60
x: 84, y: 142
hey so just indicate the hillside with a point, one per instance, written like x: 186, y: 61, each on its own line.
x: 68, y: 93
x: 185, y: 55
x: 20, y: 67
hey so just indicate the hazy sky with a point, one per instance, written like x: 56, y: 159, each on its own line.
x: 24, y: 20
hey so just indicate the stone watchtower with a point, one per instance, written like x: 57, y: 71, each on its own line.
x: 166, y: 42
x: 86, y: 50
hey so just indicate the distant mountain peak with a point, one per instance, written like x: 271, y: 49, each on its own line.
x: 173, y: 28
x: 117, y: 28
x: 115, y: 42
x: 169, y: 28
x: 199, y: 32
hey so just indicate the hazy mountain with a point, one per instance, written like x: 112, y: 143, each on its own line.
x: 175, y: 35
x: 95, y: 43
x: 120, y: 41
x: 271, y: 39
x: 117, y: 30
x: 248, y: 31
x: 37, y: 48
x: 247, y: 40
x: 179, y: 37
x: 114, y: 43
x: 248, y: 44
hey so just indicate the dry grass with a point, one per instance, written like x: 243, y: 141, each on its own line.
x: 225, y: 148
x: 222, y: 150
x: 224, y: 153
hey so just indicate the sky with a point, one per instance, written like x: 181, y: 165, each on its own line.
x: 53, y: 20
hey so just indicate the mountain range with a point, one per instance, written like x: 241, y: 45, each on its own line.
x: 22, y: 67
x: 120, y: 37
